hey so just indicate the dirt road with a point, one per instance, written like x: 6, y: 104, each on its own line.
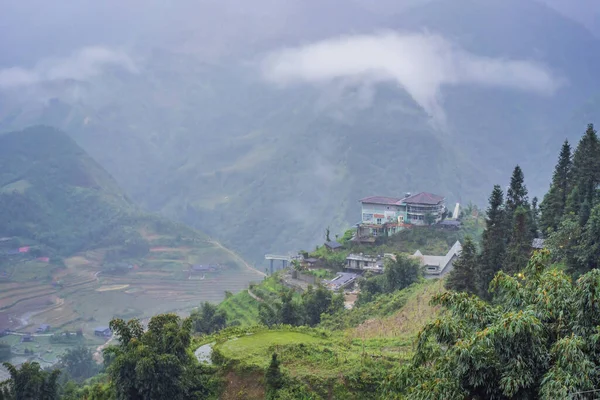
x: 236, y: 256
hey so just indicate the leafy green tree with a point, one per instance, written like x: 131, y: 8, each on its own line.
x: 462, y: 277
x: 289, y: 312
x: 401, y: 272
x: 156, y: 363
x: 493, y: 246
x: 31, y: 382
x: 315, y: 303
x: 267, y: 314
x: 208, y: 319
x: 370, y: 287
x: 79, y: 363
x: 555, y: 201
x: 273, y: 377
x: 538, y: 339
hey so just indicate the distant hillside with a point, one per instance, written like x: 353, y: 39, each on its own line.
x: 74, y: 248
x: 53, y: 193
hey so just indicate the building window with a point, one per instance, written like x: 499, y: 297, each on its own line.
x: 378, y: 221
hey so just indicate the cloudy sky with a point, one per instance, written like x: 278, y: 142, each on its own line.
x: 78, y: 39
x: 420, y: 63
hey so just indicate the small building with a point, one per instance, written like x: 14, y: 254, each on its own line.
x: 538, y: 244
x: 102, y: 331
x: 341, y: 281
x: 450, y: 224
x: 363, y: 262
x: 332, y: 245
x: 43, y: 328
x: 310, y: 262
x: 204, y: 268
x: 434, y: 266
x: 28, y: 337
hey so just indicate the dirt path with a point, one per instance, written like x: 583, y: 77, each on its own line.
x: 255, y: 297
x: 98, y: 353
x: 236, y: 256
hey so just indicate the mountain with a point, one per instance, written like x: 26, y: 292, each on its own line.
x: 207, y: 141
x: 71, y: 240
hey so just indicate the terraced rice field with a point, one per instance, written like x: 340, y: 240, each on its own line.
x: 83, y: 295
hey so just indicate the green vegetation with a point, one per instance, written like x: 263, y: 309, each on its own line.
x: 538, y: 339
x: 156, y: 363
x: 30, y: 382
x: 398, y: 274
x: 78, y: 363
x: 208, y: 319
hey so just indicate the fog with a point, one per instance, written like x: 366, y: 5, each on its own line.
x: 80, y: 65
x: 420, y: 63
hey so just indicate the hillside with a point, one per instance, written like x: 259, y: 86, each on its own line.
x: 72, y: 241
x: 344, y: 363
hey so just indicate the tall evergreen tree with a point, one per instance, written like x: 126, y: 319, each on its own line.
x: 493, y: 244
x: 589, y: 247
x: 520, y: 227
x: 555, y: 201
x: 516, y: 195
x: 535, y: 217
x: 518, y: 249
x: 585, y: 174
x: 462, y: 277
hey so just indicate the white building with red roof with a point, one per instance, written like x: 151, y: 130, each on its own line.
x: 387, y: 215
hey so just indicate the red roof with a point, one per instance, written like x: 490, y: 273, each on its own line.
x: 388, y: 201
x: 424, y: 198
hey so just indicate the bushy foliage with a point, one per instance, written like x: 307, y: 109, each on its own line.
x: 307, y: 309
x: 208, y: 319
x: 78, y: 363
x: 155, y: 363
x: 398, y: 273
x: 30, y: 382
x: 538, y: 339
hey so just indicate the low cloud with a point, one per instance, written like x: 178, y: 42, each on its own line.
x: 82, y: 64
x: 421, y: 63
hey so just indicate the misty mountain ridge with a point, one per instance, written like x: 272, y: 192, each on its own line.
x: 265, y: 158
x: 54, y: 195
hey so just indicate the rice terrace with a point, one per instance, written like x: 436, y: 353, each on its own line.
x: 87, y: 291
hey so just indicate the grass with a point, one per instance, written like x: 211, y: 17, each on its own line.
x: 241, y: 307
x: 408, y: 320
x: 256, y: 348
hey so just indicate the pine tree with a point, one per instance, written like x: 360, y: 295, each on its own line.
x: 555, y: 201
x: 516, y: 195
x: 518, y: 249
x: 462, y: 277
x: 589, y: 247
x: 534, y: 218
x: 585, y: 173
x: 493, y: 242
